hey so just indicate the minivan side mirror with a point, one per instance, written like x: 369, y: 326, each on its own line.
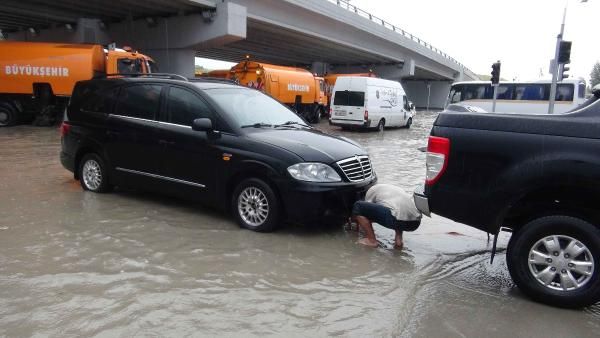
x: 203, y: 124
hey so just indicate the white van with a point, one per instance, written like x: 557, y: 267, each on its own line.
x: 366, y: 102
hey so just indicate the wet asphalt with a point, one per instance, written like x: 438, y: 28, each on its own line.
x: 130, y: 263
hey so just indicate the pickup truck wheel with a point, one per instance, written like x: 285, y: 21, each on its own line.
x: 554, y: 260
x: 8, y: 114
x: 93, y: 175
x: 256, y: 206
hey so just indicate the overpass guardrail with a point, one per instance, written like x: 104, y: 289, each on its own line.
x: 346, y: 5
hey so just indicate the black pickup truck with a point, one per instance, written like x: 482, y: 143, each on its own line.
x: 537, y: 176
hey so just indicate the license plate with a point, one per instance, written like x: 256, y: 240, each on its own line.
x: 340, y: 113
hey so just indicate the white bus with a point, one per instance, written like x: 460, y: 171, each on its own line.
x: 518, y: 97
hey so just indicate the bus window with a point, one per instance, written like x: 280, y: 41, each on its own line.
x: 505, y: 92
x: 581, y: 91
x: 474, y: 92
x: 532, y: 92
x: 455, y: 94
x: 564, y: 92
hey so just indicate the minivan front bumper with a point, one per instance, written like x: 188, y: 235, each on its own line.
x: 313, y: 202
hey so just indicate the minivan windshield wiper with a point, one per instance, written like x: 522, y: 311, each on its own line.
x: 257, y: 125
x: 291, y: 123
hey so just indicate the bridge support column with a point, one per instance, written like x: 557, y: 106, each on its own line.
x: 175, y: 60
x: 420, y: 92
x: 319, y: 68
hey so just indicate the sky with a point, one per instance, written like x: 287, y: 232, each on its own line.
x: 519, y: 33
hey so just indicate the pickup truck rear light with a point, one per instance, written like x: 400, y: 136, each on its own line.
x: 64, y: 129
x: 438, y: 151
x: 366, y: 115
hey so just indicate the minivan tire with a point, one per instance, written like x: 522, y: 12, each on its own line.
x: 8, y: 114
x: 93, y: 175
x: 527, y: 243
x: 381, y: 125
x: 256, y: 206
x: 409, y: 123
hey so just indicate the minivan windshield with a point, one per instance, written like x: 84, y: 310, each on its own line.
x: 248, y: 107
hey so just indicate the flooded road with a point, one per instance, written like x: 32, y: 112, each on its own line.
x: 75, y: 263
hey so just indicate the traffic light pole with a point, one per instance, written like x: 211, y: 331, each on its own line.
x: 555, y: 66
x: 495, y: 97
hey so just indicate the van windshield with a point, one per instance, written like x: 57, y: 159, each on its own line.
x: 249, y: 107
x: 349, y: 98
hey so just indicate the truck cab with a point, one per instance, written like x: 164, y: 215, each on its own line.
x: 126, y: 61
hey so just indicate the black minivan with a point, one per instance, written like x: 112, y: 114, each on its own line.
x: 231, y: 147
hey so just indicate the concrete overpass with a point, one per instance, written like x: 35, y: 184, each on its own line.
x: 323, y: 35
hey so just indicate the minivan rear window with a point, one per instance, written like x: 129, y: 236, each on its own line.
x: 349, y: 98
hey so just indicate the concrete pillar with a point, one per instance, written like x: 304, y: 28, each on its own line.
x: 319, y: 68
x: 174, y: 60
x: 417, y: 92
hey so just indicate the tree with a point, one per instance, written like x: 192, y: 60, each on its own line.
x: 595, y: 75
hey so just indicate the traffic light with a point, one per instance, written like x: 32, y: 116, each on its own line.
x: 564, y: 58
x: 496, y: 73
x: 564, y: 52
x: 562, y: 72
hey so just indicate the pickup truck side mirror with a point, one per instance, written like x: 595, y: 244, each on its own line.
x: 203, y: 124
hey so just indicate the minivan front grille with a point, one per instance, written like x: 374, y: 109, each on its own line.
x: 357, y: 168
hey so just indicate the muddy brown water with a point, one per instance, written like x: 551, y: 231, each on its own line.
x: 74, y: 263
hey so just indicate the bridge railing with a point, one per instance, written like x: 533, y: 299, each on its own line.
x: 346, y: 5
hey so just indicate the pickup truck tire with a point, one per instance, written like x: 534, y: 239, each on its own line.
x: 8, y: 114
x: 256, y: 206
x: 555, y: 260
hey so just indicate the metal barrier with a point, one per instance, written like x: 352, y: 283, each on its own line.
x: 346, y: 5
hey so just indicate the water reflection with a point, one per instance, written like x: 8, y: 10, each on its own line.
x: 133, y: 263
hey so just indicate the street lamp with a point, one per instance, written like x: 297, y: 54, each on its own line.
x: 555, y: 63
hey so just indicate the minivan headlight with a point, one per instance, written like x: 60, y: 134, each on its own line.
x: 313, y: 172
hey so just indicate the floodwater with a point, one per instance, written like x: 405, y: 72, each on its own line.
x: 74, y: 263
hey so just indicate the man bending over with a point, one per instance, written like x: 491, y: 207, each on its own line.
x: 390, y: 207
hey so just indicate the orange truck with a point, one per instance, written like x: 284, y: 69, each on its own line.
x: 296, y: 87
x: 37, y: 79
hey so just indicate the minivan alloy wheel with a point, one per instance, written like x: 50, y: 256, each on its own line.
x: 253, y: 206
x: 92, y: 174
x: 561, y: 262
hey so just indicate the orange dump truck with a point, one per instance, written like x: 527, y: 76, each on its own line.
x: 37, y: 79
x: 295, y: 87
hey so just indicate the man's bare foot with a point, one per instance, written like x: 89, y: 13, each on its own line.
x: 368, y: 242
x: 398, y: 245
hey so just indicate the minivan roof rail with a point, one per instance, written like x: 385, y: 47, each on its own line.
x: 213, y: 79
x: 157, y: 75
